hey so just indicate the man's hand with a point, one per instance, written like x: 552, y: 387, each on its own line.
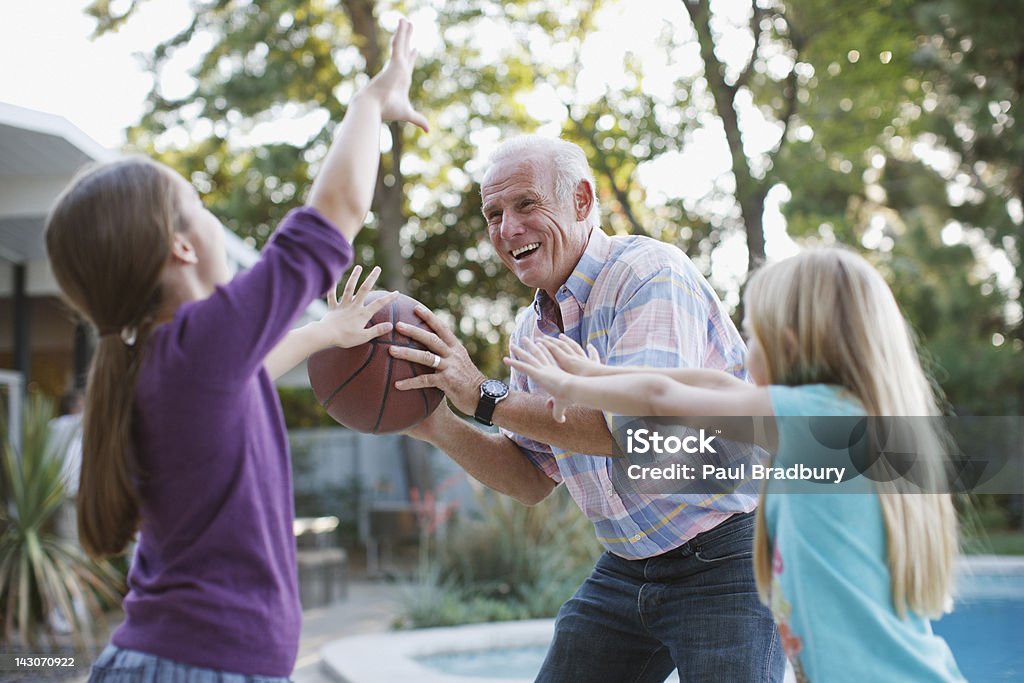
x: 455, y: 374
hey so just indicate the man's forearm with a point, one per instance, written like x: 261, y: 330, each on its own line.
x: 493, y: 460
x: 584, y: 429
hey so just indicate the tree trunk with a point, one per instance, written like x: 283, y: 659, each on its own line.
x: 750, y: 191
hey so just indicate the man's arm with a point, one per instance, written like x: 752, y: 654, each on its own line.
x: 492, y: 459
x: 584, y: 430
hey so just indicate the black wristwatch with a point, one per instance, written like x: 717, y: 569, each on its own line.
x: 492, y: 392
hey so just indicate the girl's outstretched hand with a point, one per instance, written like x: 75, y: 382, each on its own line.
x: 344, y: 324
x: 537, y: 362
x: 391, y: 85
x: 571, y: 357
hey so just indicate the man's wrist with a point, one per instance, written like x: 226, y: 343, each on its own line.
x: 470, y: 396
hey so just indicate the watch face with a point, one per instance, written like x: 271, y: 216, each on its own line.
x: 494, y: 388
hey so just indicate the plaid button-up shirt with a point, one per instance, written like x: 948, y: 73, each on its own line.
x: 640, y: 302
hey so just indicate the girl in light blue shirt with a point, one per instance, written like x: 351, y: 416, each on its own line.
x: 853, y: 570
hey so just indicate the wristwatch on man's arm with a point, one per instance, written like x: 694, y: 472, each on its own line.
x: 492, y: 392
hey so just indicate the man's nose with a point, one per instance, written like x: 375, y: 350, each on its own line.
x: 511, y: 226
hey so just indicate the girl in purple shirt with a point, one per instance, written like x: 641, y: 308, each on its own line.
x: 184, y: 439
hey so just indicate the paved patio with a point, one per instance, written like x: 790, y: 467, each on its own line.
x: 370, y: 607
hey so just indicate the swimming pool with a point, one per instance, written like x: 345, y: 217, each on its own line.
x: 986, y: 629
x: 985, y: 632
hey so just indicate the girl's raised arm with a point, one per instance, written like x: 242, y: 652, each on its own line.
x: 343, y: 190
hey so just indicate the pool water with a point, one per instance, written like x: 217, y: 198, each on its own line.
x: 505, y: 662
x: 985, y: 632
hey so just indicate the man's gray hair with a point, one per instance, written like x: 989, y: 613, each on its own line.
x: 569, y: 161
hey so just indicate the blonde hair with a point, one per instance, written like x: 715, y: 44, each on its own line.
x: 827, y: 316
x: 108, y: 239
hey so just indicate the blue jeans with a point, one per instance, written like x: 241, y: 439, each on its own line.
x: 694, y: 609
x: 115, y: 665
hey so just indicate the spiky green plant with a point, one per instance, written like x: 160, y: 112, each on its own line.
x: 42, y: 574
x: 504, y: 561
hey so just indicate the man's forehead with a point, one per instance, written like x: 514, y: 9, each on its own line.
x: 535, y: 168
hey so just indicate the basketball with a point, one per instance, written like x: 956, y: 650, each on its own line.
x: 356, y: 386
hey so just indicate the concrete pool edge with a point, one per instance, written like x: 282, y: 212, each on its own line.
x: 392, y: 656
x: 991, y: 564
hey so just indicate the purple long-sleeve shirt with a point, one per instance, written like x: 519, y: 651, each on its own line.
x: 214, y: 580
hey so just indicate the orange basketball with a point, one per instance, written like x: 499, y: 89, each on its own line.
x: 356, y: 386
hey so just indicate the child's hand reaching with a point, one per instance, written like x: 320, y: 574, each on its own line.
x: 344, y: 324
x: 537, y: 362
x: 391, y: 85
x: 570, y: 356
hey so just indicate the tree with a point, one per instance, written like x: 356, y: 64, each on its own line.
x: 301, y: 61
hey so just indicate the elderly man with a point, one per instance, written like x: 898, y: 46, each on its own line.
x: 675, y: 588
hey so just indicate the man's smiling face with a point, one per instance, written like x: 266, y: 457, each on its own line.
x: 537, y: 237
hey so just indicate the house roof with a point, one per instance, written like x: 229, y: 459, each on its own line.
x: 39, y: 154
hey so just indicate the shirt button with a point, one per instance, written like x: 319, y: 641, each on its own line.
x: 637, y: 538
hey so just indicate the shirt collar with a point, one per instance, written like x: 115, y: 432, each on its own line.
x: 581, y: 281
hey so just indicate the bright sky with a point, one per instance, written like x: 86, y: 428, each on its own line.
x: 50, y: 63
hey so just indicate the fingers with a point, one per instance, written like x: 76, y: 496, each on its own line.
x: 332, y: 297
x: 519, y: 365
x: 431, y: 342
x: 377, y: 330
x: 556, y: 353
x: 521, y: 354
x: 592, y: 353
x: 443, y: 332
x: 427, y: 358
x: 541, y: 351
x: 401, y: 37
x: 371, y: 308
x: 557, y: 409
x: 350, y: 284
x: 424, y: 337
x: 568, y: 345
x: 418, y: 382
x: 367, y: 285
x: 418, y: 120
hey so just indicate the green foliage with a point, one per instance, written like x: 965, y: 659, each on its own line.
x: 896, y: 112
x: 41, y: 573
x: 507, y: 561
x: 986, y: 527
x: 302, y: 410
x: 284, y: 58
x: 911, y: 139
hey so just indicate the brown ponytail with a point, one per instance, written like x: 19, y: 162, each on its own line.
x: 108, y: 239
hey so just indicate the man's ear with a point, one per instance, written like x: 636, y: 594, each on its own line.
x: 583, y: 199
x: 182, y: 250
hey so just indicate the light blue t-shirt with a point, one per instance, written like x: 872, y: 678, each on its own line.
x: 831, y: 593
